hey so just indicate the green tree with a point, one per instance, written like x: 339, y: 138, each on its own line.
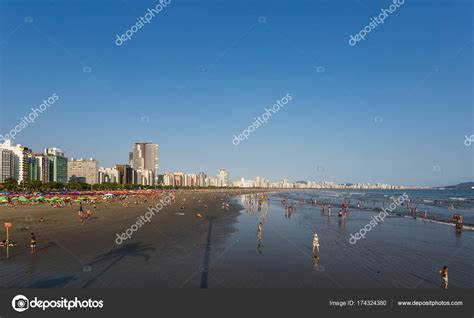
x: 10, y: 184
x: 34, y: 185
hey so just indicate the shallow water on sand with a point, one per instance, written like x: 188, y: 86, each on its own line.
x: 399, y: 252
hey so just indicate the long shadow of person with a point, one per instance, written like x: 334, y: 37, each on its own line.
x: 207, y: 256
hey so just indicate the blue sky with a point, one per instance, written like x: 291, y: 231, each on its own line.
x: 202, y: 70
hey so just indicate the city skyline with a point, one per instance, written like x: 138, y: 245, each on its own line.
x: 30, y: 167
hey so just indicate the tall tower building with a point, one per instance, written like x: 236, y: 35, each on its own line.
x: 144, y: 156
x: 223, y: 178
x: 7, y: 164
x: 124, y: 174
x: 58, y: 165
x: 19, y: 159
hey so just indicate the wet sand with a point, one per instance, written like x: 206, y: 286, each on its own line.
x: 397, y: 253
x: 221, y: 250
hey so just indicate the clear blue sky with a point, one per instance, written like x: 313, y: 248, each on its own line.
x: 202, y: 70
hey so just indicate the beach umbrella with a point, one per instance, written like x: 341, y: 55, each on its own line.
x: 23, y: 199
x: 3, y: 199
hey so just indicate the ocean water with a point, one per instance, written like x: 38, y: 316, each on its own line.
x: 435, y: 202
x: 401, y: 252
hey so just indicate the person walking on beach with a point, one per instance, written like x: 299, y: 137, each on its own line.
x: 33, y: 243
x: 444, y: 275
x: 81, y: 215
x: 315, y: 243
x: 89, y: 215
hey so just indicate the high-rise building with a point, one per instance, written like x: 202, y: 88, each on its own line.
x: 7, y: 165
x: 179, y: 179
x: 27, y: 154
x: 57, y: 165
x: 201, y: 179
x: 107, y: 175
x: 19, y: 160
x: 83, y: 168
x: 168, y: 179
x: 40, y: 165
x: 223, y: 178
x: 143, y: 177
x: 124, y: 174
x: 144, y: 156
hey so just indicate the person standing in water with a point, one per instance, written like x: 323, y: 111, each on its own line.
x: 315, y: 243
x: 444, y: 275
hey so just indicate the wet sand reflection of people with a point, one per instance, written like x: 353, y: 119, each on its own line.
x: 315, y: 262
x: 260, y: 246
x: 342, y: 223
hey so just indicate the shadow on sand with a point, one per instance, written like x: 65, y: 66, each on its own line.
x: 207, y: 255
x: 140, y: 250
x: 53, y: 283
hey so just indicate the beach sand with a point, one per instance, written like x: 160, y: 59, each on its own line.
x: 169, y: 251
